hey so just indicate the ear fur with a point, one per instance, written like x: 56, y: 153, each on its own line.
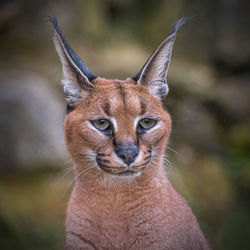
x: 76, y: 75
x: 153, y: 74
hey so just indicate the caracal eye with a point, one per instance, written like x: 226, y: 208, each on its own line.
x: 101, y: 124
x: 147, y: 123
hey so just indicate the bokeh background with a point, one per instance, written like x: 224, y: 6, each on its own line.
x: 209, y: 80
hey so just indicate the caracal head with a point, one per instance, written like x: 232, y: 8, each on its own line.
x: 119, y: 128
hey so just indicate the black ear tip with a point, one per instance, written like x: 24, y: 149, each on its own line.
x: 55, y: 23
x: 177, y: 25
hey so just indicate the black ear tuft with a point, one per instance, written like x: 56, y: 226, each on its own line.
x: 74, y: 57
x: 177, y: 25
x: 154, y: 72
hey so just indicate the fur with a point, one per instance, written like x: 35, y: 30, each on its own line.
x: 115, y: 204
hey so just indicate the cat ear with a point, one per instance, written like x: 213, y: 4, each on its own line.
x: 76, y: 75
x: 153, y: 74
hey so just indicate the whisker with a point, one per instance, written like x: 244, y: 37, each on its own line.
x: 77, y: 176
x: 68, y: 162
x: 145, y: 163
x: 84, y: 171
x: 87, y: 155
x: 174, y: 151
x: 167, y: 161
x: 66, y: 172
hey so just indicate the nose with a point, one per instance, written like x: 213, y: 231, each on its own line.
x: 127, y: 153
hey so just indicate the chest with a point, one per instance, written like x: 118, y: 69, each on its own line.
x: 140, y: 224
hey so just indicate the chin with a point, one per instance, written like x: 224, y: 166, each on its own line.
x: 127, y: 174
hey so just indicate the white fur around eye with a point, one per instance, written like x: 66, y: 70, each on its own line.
x: 114, y: 122
x: 137, y: 119
x: 158, y: 124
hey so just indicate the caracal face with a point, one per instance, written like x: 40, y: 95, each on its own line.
x: 119, y: 128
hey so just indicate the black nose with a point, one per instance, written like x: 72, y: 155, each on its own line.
x: 127, y: 153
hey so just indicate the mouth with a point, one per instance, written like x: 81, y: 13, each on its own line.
x: 129, y: 173
x: 118, y: 172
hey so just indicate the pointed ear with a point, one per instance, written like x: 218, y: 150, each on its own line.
x: 153, y: 74
x: 76, y: 75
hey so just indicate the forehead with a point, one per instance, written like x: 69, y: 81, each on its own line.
x: 115, y: 97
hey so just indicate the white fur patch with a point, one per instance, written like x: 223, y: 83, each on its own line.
x: 137, y: 119
x: 114, y: 122
x: 155, y: 127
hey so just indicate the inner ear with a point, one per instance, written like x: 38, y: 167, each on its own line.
x: 154, y: 73
x: 77, y: 78
x: 159, y: 90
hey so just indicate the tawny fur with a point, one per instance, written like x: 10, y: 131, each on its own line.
x: 117, y: 203
x: 108, y: 212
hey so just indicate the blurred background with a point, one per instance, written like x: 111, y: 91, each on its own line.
x: 209, y: 81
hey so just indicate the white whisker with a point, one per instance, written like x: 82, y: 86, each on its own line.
x: 86, y: 171
x: 174, y: 151
x: 66, y: 172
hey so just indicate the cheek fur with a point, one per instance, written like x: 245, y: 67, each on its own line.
x: 80, y: 135
x: 161, y: 133
x: 92, y: 138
